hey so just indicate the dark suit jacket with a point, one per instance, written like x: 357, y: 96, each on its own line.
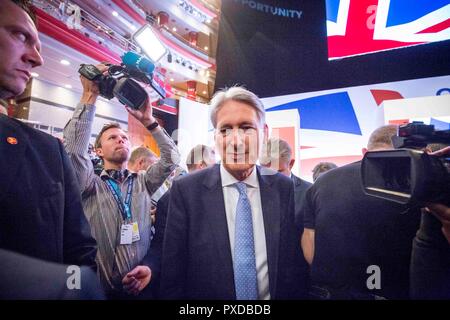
x: 40, y: 203
x: 196, y: 261
x: 23, y: 277
x: 300, y: 187
x: 153, y: 257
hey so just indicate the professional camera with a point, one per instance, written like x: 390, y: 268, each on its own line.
x: 408, y: 175
x: 118, y: 81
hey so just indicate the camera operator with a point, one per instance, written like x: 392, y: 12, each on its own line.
x: 347, y: 231
x: 430, y: 262
x: 117, y: 203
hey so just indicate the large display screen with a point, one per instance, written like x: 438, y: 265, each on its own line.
x: 278, y: 47
x: 357, y: 27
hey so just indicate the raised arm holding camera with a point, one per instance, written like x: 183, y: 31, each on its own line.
x: 117, y: 202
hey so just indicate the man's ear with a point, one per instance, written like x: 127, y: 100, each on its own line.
x: 364, y: 150
x: 266, y: 132
x: 291, y: 164
x: 99, y: 151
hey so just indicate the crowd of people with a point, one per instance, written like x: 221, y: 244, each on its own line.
x: 223, y: 231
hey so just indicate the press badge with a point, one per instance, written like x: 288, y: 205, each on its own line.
x: 126, y: 234
x: 135, y: 235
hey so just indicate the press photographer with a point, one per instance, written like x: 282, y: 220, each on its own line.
x: 412, y: 176
x: 118, y: 201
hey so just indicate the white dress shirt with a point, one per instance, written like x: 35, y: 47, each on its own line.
x: 231, y: 196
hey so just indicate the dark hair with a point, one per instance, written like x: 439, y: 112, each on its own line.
x: 98, y: 143
x: 322, y: 167
x: 27, y: 7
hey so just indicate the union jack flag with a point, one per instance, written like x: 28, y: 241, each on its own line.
x: 357, y: 27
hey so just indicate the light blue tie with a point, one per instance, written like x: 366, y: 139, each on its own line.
x: 245, y: 281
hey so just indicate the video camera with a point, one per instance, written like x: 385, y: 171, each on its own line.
x: 408, y: 175
x: 118, y: 81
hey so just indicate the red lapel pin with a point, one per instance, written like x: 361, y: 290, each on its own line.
x: 11, y: 140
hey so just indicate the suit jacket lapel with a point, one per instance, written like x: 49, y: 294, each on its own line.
x: 296, y: 180
x: 13, y: 143
x: 213, y: 202
x: 270, y: 203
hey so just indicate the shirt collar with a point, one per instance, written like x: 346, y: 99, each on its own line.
x: 229, y: 180
x: 108, y: 174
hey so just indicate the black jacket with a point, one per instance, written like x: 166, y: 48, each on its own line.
x: 40, y: 203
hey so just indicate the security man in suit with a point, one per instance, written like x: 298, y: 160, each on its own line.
x: 40, y: 201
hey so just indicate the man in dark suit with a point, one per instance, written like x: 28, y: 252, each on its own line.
x: 230, y: 230
x: 40, y: 202
x: 278, y: 156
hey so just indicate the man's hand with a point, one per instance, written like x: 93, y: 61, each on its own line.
x: 441, y: 212
x: 153, y: 214
x: 90, y: 88
x: 136, y: 280
x: 143, y: 115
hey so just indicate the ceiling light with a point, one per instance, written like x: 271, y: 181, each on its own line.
x: 208, y: 21
x: 204, y: 92
x: 172, y: 79
x: 115, y: 13
x: 34, y: 74
x: 174, y: 29
x: 65, y: 62
x: 68, y: 86
x: 206, y: 48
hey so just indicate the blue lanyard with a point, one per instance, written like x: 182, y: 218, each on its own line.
x: 124, y: 207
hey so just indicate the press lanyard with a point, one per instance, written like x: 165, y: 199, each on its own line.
x: 124, y: 207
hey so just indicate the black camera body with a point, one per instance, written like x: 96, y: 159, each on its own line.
x: 118, y: 83
x: 408, y: 175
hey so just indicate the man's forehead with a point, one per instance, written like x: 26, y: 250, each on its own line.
x: 13, y: 12
x: 237, y: 122
x: 12, y: 15
x: 113, y: 131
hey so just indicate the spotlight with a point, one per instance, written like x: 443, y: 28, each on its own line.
x: 169, y: 58
x: 149, y: 41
